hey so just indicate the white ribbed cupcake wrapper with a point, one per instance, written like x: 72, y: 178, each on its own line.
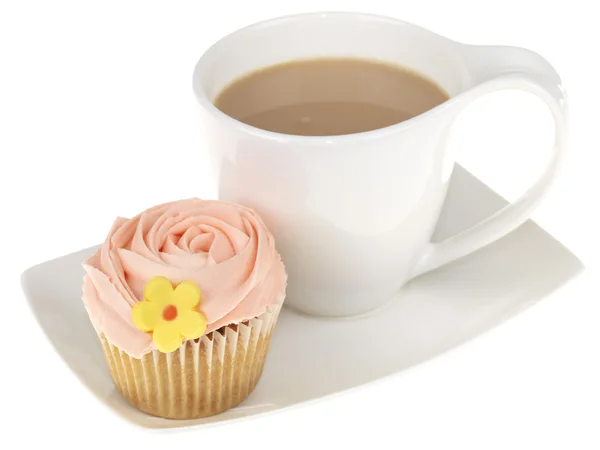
x: 202, y: 378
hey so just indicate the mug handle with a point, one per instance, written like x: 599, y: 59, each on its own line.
x: 494, y: 68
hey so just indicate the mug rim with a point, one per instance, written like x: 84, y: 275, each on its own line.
x: 208, y: 105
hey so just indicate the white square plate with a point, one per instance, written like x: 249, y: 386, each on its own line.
x: 311, y: 358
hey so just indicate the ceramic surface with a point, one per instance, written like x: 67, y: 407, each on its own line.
x: 311, y: 358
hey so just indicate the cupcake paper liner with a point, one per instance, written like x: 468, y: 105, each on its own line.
x: 203, y: 377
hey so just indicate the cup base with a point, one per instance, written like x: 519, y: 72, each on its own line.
x: 351, y: 315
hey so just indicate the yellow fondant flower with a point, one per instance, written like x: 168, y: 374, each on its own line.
x: 170, y: 314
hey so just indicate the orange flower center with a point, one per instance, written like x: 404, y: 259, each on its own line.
x: 170, y: 312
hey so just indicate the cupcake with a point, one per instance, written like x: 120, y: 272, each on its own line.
x: 184, y: 298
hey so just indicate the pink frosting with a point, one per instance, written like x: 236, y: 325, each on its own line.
x: 225, y: 248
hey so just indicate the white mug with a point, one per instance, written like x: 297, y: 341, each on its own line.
x: 353, y: 215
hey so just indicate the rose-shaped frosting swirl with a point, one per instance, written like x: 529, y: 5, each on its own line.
x: 223, y: 247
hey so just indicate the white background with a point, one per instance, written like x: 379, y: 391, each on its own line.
x: 97, y: 119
